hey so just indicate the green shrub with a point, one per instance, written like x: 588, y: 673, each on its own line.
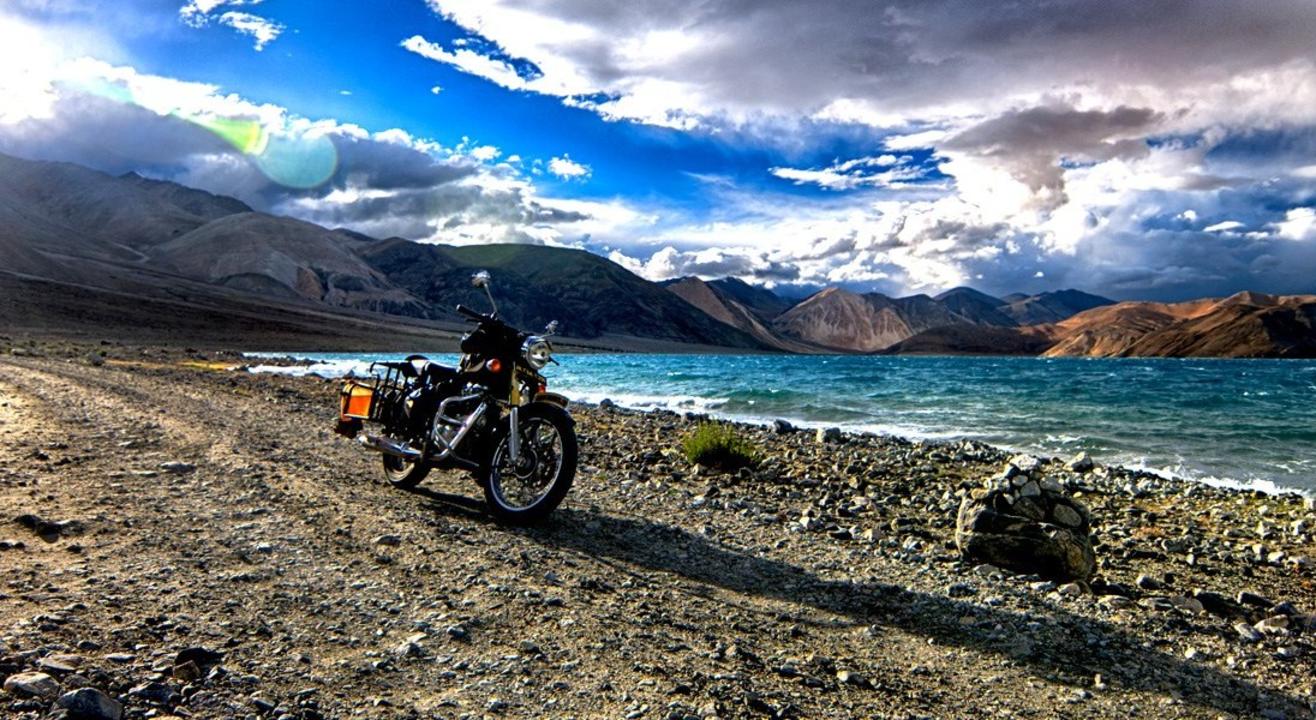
x: 719, y: 446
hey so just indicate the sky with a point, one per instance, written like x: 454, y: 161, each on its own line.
x: 1162, y: 150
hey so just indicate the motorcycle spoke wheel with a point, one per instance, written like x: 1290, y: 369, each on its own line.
x: 518, y: 487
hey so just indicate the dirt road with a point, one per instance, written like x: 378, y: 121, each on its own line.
x: 185, y: 506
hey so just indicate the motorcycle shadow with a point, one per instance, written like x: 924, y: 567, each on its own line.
x: 1079, y: 646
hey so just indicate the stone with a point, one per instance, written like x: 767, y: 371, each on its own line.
x: 60, y: 663
x: 1147, y: 582
x: 1026, y: 463
x: 1274, y: 625
x: 781, y: 427
x: 607, y: 404
x: 1030, y: 489
x: 155, y: 692
x: 831, y: 434
x: 32, y: 684
x: 961, y: 589
x: 457, y: 632
x: 203, y: 657
x: 90, y: 704
x: 1067, y: 516
x: 177, y: 467
x: 1080, y: 463
x: 1247, y: 633
x: 846, y: 677
x: 12, y: 545
x: 1246, y: 597
x: 1072, y: 589
x: 1188, y: 604
x: 988, y: 529
x: 1216, y: 604
x: 388, y: 540
x: 187, y: 672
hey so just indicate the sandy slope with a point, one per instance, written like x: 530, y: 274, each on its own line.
x: 654, y: 592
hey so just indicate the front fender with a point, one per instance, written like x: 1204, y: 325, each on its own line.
x: 551, y: 398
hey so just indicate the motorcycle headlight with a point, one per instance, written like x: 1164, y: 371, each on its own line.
x: 537, y: 352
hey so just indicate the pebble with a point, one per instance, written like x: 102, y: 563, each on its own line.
x: 389, y: 540
x: 1247, y: 633
x: 1072, y: 589
x: 831, y: 434
x: 91, y: 704
x: 961, y: 589
x: 846, y: 677
x: 32, y: 684
x: 1246, y: 597
x: 1080, y: 463
x: 1147, y: 582
x: 177, y: 467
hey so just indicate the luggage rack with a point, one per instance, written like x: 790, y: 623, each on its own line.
x: 378, y: 397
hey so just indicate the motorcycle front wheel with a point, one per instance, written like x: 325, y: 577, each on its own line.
x: 527, y: 491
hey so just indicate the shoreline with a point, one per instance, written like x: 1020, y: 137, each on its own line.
x: 1259, y: 485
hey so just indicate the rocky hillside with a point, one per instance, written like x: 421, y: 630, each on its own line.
x: 125, y: 239
x: 589, y: 295
x: 282, y: 257
x: 723, y: 305
x: 1242, y: 325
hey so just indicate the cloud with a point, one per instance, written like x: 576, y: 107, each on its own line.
x: 264, y: 31
x: 701, y: 61
x: 1225, y: 226
x: 871, y: 171
x: 383, y: 183
x: 200, y: 13
x: 1298, y: 224
x: 435, y: 90
x: 567, y: 169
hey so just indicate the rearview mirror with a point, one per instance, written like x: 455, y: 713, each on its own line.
x: 480, y: 279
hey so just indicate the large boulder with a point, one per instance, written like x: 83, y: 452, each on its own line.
x: 1027, y: 524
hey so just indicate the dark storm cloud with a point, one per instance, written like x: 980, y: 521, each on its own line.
x: 402, y: 187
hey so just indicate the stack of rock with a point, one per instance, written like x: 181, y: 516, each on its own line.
x: 1026, y: 522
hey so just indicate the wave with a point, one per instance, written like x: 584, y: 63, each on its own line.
x: 1252, y: 434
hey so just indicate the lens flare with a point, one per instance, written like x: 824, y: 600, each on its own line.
x: 293, y: 159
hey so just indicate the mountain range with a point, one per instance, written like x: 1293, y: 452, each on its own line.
x: 86, y: 249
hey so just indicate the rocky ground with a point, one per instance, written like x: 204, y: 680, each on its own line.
x: 179, y: 539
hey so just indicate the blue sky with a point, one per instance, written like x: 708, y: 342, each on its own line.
x: 900, y: 147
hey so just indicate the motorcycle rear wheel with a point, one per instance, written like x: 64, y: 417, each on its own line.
x: 403, y: 474
x: 526, y: 495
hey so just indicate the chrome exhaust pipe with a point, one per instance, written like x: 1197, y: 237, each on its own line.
x: 389, y: 446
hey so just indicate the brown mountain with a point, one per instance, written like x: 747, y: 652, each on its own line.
x: 282, y: 257
x: 842, y: 320
x: 721, y: 306
x: 1243, y: 325
x: 1050, y: 307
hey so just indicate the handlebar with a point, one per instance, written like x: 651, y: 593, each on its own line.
x: 462, y: 309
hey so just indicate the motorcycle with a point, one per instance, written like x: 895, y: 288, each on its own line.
x: 492, y: 416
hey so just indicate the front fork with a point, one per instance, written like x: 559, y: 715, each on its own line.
x: 514, y: 436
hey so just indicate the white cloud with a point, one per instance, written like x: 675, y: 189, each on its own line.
x: 199, y: 13
x: 1298, y: 224
x: 435, y: 90
x: 1226, y: 226
x: 854, y: 173
x: 567, y: 169
x: 263, y: 30
x: 485, y: 153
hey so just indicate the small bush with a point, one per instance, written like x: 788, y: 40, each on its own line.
x: 719, y: 446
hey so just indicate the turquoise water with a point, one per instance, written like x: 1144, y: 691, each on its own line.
x: 1245, y: 422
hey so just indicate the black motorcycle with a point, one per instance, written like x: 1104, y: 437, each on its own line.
x: 492, y: 416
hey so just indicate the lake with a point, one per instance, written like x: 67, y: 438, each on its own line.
x: 1250, y: 423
